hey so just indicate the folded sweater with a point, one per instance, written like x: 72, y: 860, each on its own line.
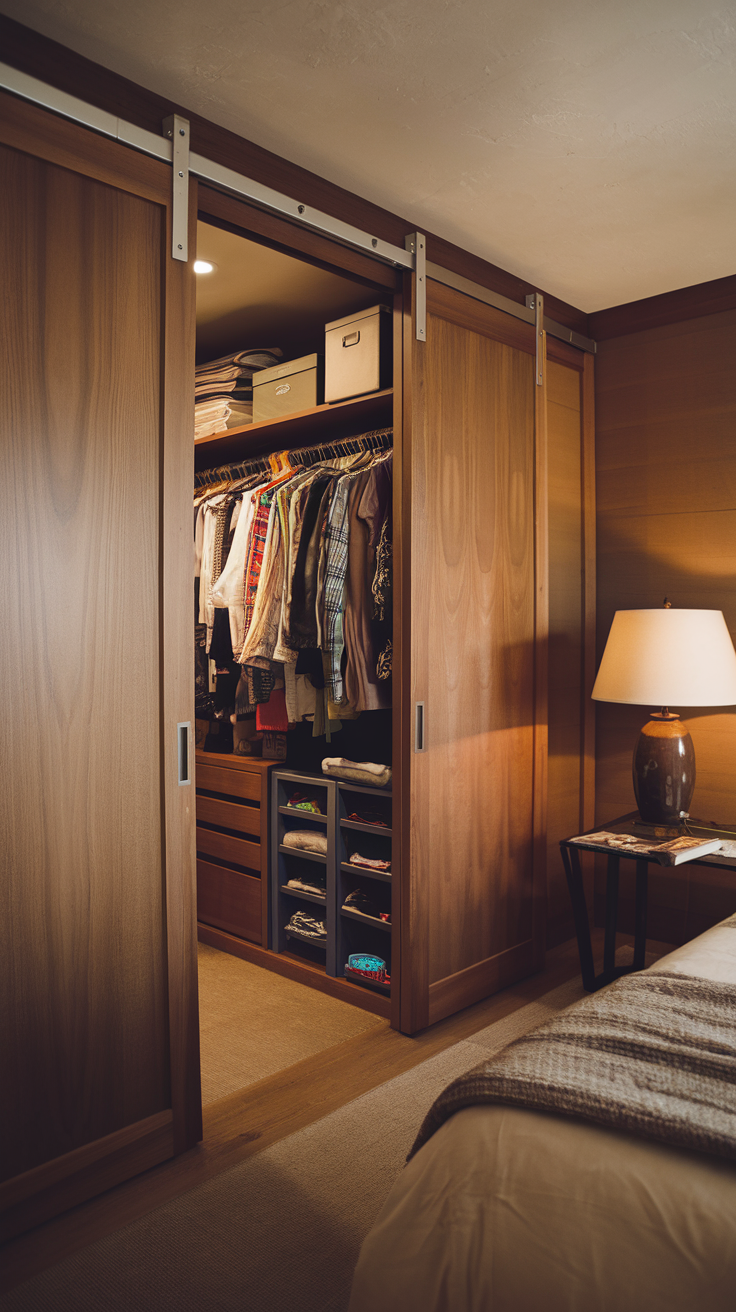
x: 305, y: 840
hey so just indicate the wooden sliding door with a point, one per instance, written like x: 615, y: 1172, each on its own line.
x: 473, y: 562
x: 99, y: 1069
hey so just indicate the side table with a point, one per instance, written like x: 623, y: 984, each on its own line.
x: 570, y: 852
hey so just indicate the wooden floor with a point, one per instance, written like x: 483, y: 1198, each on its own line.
x: 244, y: 1123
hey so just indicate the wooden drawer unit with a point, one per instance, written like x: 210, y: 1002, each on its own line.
x: 229, y: 900
x: 232, y: 844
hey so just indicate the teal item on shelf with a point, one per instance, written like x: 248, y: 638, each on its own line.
x: 368, y: 964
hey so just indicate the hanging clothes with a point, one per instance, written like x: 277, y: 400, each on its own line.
x: 293, y: 575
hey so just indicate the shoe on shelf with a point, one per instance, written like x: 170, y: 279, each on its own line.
x: 307, y: 925
x: 370, y: 967
x: 361, y: 904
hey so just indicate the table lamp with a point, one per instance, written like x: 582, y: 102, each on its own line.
x: 666, y: 657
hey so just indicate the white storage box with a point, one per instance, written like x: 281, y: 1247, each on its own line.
x: 358, y: 354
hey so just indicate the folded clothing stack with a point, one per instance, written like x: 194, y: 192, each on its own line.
x: 305, y: 840
x: 366, y: 817
x: 307, y: 886
x: 308, y: 926
x: 357, y: 772
x: 361, y: 905
x: 357, y: 860
x: 300, y: 802
x: 223, y: 390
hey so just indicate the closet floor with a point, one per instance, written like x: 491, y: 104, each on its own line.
x: 254, y: 1023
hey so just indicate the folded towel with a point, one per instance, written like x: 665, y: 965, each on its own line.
x: 358, y: 772
x: 341, y: 761
x: 306, y: 840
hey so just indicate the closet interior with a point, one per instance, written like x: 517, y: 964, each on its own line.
x: 293, y: 616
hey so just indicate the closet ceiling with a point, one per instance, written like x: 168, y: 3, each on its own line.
x: 585, y: 146
x: 259, y: 297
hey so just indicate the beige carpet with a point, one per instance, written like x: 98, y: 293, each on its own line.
x: 254, y: 1023
x: 281, y: 1231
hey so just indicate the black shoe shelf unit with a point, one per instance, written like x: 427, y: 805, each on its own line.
x: 347, y: 931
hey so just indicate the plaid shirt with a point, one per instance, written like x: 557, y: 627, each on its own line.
x: 336, y: 534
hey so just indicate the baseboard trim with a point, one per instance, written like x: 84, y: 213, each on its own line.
x: 480, y: 980
x: 53, y: 1187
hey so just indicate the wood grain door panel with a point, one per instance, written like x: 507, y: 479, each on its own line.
x: 473, y: 890
x: 96, y: 952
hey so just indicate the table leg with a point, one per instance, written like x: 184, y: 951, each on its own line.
x: 609, y: 949
x: 640, y: 942
x: 571, y: 862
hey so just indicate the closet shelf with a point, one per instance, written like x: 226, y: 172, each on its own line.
x: 322, y: 423
x: 300, y: 893
x: 300, y: 851
x: 367, y: 920
x: 307, y: 938
x: 365, y: 789
x: 379, y: 830
x: 349, y: 868
x: 303, y: 815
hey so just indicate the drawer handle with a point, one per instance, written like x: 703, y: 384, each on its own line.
x: 183, y: 742
x: 351, y: 339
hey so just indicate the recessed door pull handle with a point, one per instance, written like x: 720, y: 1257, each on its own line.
x: 183, y: 743
x: 351, y: 339
x: 419, y: 727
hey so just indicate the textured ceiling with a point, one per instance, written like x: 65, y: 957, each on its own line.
x: 586, y: 145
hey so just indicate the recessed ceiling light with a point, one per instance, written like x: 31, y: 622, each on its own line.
x: 204, y: 266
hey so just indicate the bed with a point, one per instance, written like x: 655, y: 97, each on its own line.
x: 505, y: 1209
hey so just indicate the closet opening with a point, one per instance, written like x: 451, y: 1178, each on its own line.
x: 293, y: 604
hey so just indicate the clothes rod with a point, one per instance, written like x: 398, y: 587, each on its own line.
x: 379, y: 439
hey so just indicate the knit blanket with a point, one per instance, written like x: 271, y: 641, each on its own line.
x: 652, y: 1055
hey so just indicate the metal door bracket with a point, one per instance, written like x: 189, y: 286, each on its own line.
x: 535, y: 302
x: 177, y: 130
x: 416, y: 243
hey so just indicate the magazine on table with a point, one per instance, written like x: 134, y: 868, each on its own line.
x: 671, y: 853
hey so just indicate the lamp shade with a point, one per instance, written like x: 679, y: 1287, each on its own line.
x: 668, y: 658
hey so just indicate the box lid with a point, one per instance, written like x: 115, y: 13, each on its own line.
x: 285, y: 370
x: 355, y: 318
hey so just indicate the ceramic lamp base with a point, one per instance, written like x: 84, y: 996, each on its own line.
x: 664, y: 770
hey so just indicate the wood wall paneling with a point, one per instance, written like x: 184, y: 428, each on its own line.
x: 85, y: 1015
x: 473, y: 599
x: 706, y: 298
x: 666, y: 491
x: 62, y: 68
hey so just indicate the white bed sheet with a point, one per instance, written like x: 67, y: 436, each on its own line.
x: 505, y: 1210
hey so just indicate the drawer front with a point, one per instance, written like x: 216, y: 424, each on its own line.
x: 235, y: 783
x: 229, y: 901
x: 226, y: 848
x: 230, y: 815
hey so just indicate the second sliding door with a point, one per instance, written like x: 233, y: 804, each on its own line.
x: 473, y: 727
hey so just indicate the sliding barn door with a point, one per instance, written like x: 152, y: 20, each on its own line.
x: 99, y: 1071
x: 473, y: 583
